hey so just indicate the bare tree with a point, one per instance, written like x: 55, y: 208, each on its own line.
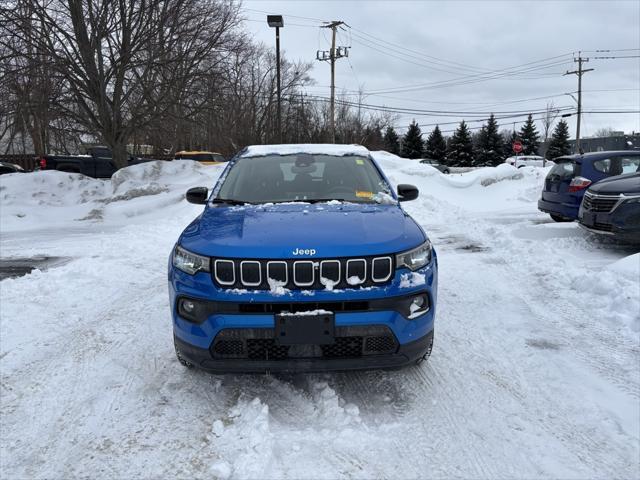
x: 550, y: 115
x: 121, y: 59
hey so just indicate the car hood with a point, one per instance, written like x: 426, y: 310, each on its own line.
x: 276, y: 231
x: 628, y: 183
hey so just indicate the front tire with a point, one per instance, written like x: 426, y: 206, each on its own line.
x: 558, y: 218
x: 427, y: 354
x: 183, y: 361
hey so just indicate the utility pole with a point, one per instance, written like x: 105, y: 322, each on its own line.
x: 331, y: 56
x: 581, y: 71
x: 276, y: 21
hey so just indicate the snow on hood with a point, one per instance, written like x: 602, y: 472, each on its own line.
x: 311, y: 148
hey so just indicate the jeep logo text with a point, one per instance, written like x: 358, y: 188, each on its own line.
x: 308, y: 251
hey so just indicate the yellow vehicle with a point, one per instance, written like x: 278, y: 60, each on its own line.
x: 206, y: 158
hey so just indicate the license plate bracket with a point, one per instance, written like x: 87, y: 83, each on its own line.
x: 305, y: 328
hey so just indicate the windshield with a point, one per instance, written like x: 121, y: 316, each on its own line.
x: 303, y: 177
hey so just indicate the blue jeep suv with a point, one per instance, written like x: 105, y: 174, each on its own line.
x: 302, y: 260
x: 569, y: 178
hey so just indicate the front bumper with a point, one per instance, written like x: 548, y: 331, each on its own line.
x: 229, y: 310
x: 404, y: 355
x: 622, y: 223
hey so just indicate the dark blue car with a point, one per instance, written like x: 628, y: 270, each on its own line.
x: 302, y: 260
x: 571, y: 175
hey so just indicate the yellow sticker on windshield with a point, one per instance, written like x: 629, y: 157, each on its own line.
x: 359, y: 161
x: 361, y: 194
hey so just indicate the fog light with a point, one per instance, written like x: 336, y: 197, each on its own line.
x: 188, y: 306
x: 419, y: 305
x: 192, y: 310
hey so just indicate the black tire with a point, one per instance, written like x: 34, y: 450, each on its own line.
x: 446, y: 171
x: 427, y: 354
x: 184, y: 362
x: 558, y: 218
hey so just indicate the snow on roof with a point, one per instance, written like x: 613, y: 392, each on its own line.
x: 312, y: 148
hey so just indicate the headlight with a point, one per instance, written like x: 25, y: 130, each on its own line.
x: 634, y: 199
x: 416, y: 258
x: 189, y: 262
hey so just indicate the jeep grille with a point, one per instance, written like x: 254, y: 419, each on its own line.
x: 302, y: 274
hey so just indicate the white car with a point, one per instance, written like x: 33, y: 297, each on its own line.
x: 528, y: 161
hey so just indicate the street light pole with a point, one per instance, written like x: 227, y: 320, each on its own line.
x: 277, y: 22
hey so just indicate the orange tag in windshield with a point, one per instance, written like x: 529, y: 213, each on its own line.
x: 361, y: 194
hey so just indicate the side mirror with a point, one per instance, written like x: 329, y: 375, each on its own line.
x: 198, y: 195
x: 407, y: 192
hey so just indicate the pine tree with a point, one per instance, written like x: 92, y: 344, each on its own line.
x: 490, y: 142
x: 436, y: 147
x: 460, y: 152
x: 529, y: 137
x: 559, y: 144
x: 412, y: 143
x: 391, y: 141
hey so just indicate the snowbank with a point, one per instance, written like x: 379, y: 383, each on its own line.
x: 49, y: 198
x: 480, y: 189
x: 311, y: 148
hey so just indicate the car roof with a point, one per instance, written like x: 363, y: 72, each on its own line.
x: 310, y: 148
x: 603, y: 154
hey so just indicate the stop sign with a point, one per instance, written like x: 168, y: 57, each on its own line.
x: 517, y: 146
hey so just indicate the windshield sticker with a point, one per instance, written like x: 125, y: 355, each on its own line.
x: 359, y: 161
x: 363, y: 194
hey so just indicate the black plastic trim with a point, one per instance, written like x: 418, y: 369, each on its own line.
x: 407, y: 354
x: 205, y: 308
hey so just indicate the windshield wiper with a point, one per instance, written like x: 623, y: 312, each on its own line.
x: 228, y: 201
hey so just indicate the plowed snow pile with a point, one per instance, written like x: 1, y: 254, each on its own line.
x: 535, y: 371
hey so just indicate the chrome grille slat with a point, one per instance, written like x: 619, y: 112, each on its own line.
x: 600, y: 203
x: 330, y: 273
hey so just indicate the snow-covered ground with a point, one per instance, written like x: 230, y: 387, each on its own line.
x: 535, y: 371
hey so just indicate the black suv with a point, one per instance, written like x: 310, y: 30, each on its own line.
x: 612, y: 207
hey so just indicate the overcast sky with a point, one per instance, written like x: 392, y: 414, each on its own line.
x: 400, y: 49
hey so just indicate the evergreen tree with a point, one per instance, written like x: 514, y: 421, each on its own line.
x: 436, y: 147
x: 529, y: 137
x: 489, y: 151
x: 412, y: 143
x: 460, y: 152
x: 559, y: 144
x: 391, y: 141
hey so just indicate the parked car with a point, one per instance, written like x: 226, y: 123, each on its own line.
x: 6, y: 167
x: 98, y: 163
x: 302, y: 260
x: 567, y: 181
x: 528, y: 161
x: 206, y: 158
x: 612, y: 207
x: 436, y: 164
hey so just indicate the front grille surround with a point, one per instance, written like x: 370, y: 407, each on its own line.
x: 600, y: 203
x: 218, y: 278
x: 307, y: 274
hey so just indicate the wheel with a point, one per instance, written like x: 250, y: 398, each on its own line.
x: 558, y: 218
x: 427, y: 354
x: 184, y: 362
x: 446, y: 171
